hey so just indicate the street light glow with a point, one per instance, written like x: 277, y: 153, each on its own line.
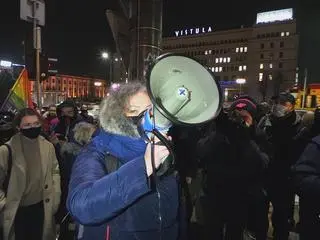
x: 4, y: 63
x: 105, y: 55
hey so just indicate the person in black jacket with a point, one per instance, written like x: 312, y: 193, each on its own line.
x: 68, y: 116
x: 284, y: 142
x: 83, y: 133
x: 307, y: 184
x: 233, y: 170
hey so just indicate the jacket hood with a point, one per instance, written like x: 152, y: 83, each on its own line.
x: 113, y: 120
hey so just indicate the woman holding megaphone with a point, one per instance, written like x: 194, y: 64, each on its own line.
x: 110, y: 191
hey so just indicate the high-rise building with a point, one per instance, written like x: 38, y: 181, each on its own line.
x: 263, y: 56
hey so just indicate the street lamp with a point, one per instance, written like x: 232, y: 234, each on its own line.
x: 105, y: 55
x: 240, y: 81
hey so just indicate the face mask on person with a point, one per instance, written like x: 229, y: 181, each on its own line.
x: 279, y: 110
x: 31, y: 133
x: 134, y: 119
x: 65, y: 119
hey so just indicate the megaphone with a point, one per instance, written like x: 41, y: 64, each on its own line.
x: 182, y: 91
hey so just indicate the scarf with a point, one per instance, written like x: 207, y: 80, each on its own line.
x: 122, y: 147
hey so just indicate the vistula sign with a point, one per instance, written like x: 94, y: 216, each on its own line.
x: 192, y: 31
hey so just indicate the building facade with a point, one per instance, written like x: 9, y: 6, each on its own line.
x: 263, y: 58
x: 61, y: 87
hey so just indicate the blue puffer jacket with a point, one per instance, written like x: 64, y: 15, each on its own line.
x: 121, y: 205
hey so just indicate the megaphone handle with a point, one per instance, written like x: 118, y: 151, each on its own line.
x: 154, y: 169
x: 163, y: 140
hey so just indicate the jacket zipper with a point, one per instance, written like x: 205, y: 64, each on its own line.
x: 108, y: 233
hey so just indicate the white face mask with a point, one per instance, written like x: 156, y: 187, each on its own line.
x: 279, y: 110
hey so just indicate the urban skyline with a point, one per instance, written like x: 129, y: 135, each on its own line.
x: 77, y: 32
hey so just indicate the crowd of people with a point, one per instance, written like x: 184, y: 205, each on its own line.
x: 65, y: 175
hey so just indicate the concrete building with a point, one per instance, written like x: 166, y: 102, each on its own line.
x: 263, y: 56
x: 60, y: 87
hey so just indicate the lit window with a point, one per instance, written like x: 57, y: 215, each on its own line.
x: 240, y: 68
x: 241, y: 49
x: 228, y: 59
x: 220, y: 69
x: 237, y: 49
x: 224, y: 60
x: 260, y: 77
x: 270, y: 76
x: 212, y: 69
x: 282, y: 34
x: 261, y: 65
x: 270, y: 65
x: 244, y: 68
x: 206, y: 52
x: 245, y: 49
x: 287, y: 34
x: 217, y: 60
x: 220, y: 60
x: 217, y: 69
x: 210, y: 51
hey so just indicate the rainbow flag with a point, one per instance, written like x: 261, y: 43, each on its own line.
x: 20, y: 94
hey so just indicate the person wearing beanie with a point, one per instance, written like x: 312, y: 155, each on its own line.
x: 234, y: 166
x: 246, y: 109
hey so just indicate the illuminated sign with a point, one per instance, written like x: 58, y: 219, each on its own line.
x: 193, y: 31
x: 273, y: 16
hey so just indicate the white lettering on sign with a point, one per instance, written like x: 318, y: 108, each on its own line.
x: 193, y: 31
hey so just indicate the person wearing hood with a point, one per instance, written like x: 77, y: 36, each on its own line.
x: 68, y: 116
x: 83, y: 133
x: 123, y: 204
x: 284, y: 140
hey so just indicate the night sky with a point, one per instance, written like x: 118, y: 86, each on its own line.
x: 77, y: 30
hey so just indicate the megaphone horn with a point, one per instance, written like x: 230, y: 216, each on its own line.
x: 182, y: 90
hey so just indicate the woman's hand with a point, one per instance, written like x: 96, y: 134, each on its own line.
x: 161, y: 152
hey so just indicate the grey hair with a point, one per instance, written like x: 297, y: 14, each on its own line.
x: 113, y: 106
x: 83, y: 132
